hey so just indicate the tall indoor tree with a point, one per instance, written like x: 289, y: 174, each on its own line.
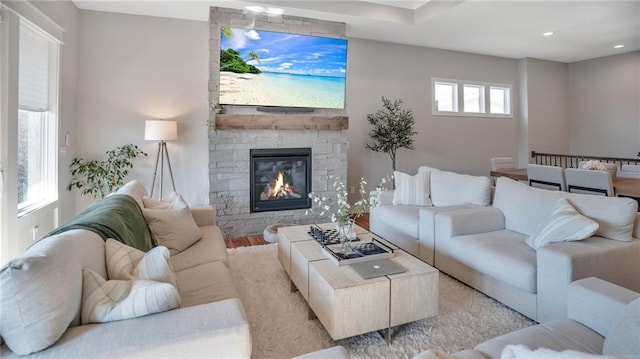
x: 392, y: 129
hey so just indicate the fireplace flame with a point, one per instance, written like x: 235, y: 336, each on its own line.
x: 277, y: 186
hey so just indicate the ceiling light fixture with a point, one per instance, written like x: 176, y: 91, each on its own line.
x: 619, y: 46
x: 548, y: 33
x: 254, y: 8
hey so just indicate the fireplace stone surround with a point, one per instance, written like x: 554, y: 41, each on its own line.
x: 229, y: 164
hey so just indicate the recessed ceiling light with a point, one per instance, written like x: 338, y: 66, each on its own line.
x: 619, y: 46
x: 548, y: 33
x: 254, y: 8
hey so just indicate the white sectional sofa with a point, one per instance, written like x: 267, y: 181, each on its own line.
x: 486, y: 248
x: 603, y: 318
x: 41, y: 301
x: 411, y: 227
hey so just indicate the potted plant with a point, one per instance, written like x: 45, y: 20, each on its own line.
x: 392, y: 129
x: 99, y: 178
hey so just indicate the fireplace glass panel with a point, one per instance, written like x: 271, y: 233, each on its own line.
x: 280, y: 179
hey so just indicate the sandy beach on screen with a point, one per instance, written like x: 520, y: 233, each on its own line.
x: 241, y: 88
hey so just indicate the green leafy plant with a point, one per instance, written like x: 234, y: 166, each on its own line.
x: 99, y: 178
x: 392, y: 129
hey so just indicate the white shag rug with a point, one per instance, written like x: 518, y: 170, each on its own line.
x: 280, y: 327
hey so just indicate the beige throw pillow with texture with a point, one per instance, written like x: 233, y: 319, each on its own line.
x: 173, y: 227
x: 107, y: 301
x: 127, y: 263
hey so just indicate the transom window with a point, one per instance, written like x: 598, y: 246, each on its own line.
x: 468, y: 98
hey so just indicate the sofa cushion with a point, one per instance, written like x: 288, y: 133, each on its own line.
x: 206, y: 283
x: 624, y: 336
x: 41, y: 291
x: 404, y: 219
x: 524, y: 208
x: 107, y: 301
x: 502, y: 255
x: 451, y: 189
x: 127, y: 263
x: 563, y: 225
x: 173, y: 227
x: 210, y: 248
x: 134, y: 189
x: 519, y: 351
x: 150, y: 202
x: 556, y: 335
x: 411, y: 190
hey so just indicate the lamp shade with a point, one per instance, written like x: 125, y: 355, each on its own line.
x: 160, y: 130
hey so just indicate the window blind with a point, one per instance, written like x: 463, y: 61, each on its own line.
x: 33, y: 62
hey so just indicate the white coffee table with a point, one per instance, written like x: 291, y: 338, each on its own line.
x: 345, y: 303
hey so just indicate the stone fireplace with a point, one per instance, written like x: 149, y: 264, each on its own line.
x: 279, y: 179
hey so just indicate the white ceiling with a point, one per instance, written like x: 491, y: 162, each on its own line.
x: 508, y: 28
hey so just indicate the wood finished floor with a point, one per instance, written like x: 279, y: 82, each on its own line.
x: 258, y: 240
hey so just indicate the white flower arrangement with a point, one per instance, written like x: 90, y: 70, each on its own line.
x: 594, y: 165
x: 341, y: 210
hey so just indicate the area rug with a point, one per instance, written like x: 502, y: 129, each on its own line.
x: 280, y: 327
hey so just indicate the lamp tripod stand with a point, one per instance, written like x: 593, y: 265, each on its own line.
x: 162, y: 153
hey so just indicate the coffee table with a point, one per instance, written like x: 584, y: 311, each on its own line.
x: 345, y: 303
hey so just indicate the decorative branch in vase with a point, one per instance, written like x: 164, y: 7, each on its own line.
x: 342, y: 211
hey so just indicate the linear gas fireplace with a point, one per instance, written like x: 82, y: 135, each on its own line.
x: 280, y: 179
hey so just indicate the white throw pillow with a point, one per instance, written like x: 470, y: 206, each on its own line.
x: 623, y: 338
x: 454, y: 189
x: 173, y: 227
x: 127, y: 263
x: 522, y: 352
x: 107, y: 301
x: 563, y: 225
x: 156, y: 203
x: 411, y: 190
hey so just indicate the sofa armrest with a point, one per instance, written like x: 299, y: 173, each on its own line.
x: 468, y: 221
x: 212, y: 330
x: 204, y: 215
x: 597, y: 303
x: 562, y: 263
x: 386, y: 198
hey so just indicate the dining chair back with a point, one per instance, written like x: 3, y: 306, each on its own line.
x: 611, y: 167
x: 629, y: 171
x: 589, y: 181
x: 499, y: 163
x: 546, y: 177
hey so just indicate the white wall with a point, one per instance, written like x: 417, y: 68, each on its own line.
x: 604, y: 101
x: 18, y: 233
x: 136, y: 68
x: 463, y: 144
x: 547, y: 89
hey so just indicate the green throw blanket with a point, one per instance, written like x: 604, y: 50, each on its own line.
x: 117, y: 216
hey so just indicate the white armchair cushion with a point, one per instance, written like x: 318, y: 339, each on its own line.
x: 563, y: 225
x: 452, y: 189
x: 107, y: 301
x: 624, y: 337
x: 411, y: 190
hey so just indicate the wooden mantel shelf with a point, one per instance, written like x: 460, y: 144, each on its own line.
x: 281, y: 122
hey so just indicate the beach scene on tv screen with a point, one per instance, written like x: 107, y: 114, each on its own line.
x: 264, y: 68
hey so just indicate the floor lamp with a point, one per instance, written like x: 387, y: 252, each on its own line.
x: 161, y: 131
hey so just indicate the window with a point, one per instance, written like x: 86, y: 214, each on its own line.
x: 446, y: 96
x: 474, y: 98
x: 37, y: 118
x: 468, y: 98
x: 500, y: 100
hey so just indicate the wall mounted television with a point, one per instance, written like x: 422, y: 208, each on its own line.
x: 265, y: 68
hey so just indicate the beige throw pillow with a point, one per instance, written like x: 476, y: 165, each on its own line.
x: 127, y: 263
x: 411, y: 190
x: 156, y: 203
x: 107, y: 301
x: 563, y: 225
x: 173, y: 227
